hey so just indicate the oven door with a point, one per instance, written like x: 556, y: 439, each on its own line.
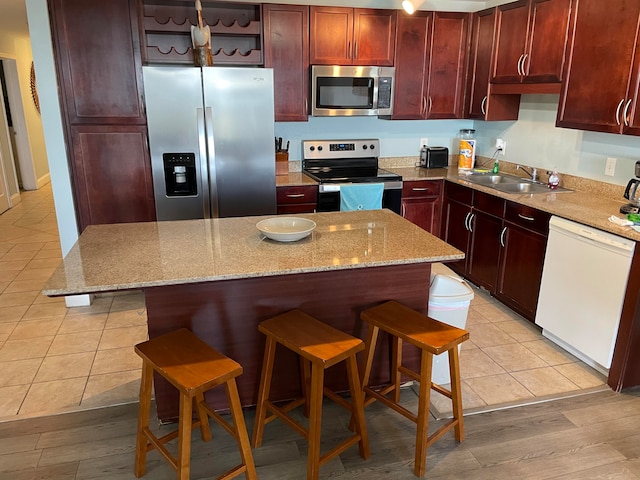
x: 329, y: 197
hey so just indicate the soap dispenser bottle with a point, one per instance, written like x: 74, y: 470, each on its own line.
x: 554, y: 180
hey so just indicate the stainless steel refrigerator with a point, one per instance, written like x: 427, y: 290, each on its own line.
x: 211, y: 137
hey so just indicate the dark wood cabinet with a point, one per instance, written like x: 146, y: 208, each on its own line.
x: 455, y: 230
x: 297, y: 199
x: 597, y: 93
x: 112, y: 174
x: 504, y: 243
x: 421, y: 203
x: 97, y: 53
x: 485, y: 226
x: 523, y: 245
x: 352, y: 36
x: 531, y: 41
x: 431, y: 52
x: 481, y: 104
x: 286, y: 50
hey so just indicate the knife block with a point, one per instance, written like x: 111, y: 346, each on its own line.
x: 282, y: 163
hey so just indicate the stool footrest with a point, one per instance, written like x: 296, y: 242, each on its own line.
x: 339, y: 449
x: 221, y: 421
x: 158, y: 444
x: 441, y: 390
x: 390, y: 403
x: 281, y: 413
x: 409, y: 373
x: 442, y: 430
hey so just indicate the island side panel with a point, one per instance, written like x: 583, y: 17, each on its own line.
x: 226, y: 314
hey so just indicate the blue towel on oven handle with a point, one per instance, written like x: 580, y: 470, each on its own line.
x: 361, y: 196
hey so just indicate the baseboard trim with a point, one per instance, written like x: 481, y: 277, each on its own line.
x: 43, y: 180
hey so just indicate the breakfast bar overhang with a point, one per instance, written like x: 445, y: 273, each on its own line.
x: 221, y: 277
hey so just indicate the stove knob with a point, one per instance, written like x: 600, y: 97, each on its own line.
x: 364, y: 146
x: 320, y: 148
x: 372, y: 147
x: 312, y: 148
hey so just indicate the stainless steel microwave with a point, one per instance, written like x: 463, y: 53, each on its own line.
x: 338, y: 90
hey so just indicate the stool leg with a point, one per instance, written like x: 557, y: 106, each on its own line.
x: 305, y: 380
x: 367, y: 357
x: 426, y: 363
x: 456, y: 393
x: 315, y: 421
x: 396, y: 361
x: 263, y: 392
x: 357, y: 406
x: 143, y: 419
x: 241, y: 429
x: 205, y: 429
x: 184, y: 437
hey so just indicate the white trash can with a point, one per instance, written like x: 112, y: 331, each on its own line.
x: 449, y: 299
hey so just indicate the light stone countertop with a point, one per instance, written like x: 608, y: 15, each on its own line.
x: 135, y: 255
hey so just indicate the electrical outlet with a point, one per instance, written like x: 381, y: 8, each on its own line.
x: 424, y: 142
x: 610, y: 167
x: 501, y: 145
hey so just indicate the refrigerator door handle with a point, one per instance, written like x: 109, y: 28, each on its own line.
x: 211, y: 165
x: 204, y: 164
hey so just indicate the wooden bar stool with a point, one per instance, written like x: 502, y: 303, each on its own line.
x: 319, y: 346
x: 432, y: 338
x: 193, y: 367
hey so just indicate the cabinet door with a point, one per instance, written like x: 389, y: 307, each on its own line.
x: 421, y: 204
x: 98, y: 60
x: 595, y: 86
x: 482, y: 31
x: 286, y: 50
x: 297, y: 199
x: 521, y: 262
x: 331, y: 32
x: 480, y: 103
x: 447, y: 65
x: 484, y: 253
x: 511, y: 39
x: 112, y: 174
x: 547, y: 41
x: 374, y: 36
x: 411, y: 63
x: 455, y: 232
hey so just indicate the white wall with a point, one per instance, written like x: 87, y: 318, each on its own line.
x: 534, y: 140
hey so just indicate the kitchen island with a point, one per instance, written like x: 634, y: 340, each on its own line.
x: 221, y: 277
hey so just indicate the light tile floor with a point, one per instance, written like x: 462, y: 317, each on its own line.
x: 55, y: 359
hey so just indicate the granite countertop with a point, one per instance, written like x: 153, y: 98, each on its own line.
x: 294, y: 179
x: 135, y: 255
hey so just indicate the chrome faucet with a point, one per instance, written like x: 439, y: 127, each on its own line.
x: 533, y: 173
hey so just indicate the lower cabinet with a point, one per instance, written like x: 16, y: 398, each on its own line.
x: 524, y: 243
x: 504, y: 243
x: 421, y: 203
x: 297, y: 199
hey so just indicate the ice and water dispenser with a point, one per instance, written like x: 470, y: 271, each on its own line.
x: 180, y: 174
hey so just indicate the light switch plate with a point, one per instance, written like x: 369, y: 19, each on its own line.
x: 424, y: 142
x: 610, y: 167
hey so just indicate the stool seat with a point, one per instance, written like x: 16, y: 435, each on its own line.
x: 432, y: 338
x: 319, y: 347
x: 192, y: 367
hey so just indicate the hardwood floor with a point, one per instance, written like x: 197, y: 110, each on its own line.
x: 591, y: 436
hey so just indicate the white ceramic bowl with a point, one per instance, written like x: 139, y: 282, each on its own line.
x: 286, y: 229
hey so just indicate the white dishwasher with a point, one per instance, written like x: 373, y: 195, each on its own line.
x: 583, y: 286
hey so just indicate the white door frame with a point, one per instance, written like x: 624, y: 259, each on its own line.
x: 25, y: 158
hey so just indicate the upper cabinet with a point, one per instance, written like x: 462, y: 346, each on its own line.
x: 531, y: 39
x: 600, y: 88
x: 352, y: 36
x: 481, y: 104
x: 98, y: 62
x: 430, y: 61
x: 286, y: 50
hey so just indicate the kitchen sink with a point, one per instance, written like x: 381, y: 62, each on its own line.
x: 510, y: 183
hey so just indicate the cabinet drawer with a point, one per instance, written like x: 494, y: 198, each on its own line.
x: 457, y: 192
x: 421, y: 188
x: 528, y: 217
x: 488, y: 204
x: 297, y: 194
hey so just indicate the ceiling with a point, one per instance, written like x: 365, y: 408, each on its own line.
x: 13, y: 15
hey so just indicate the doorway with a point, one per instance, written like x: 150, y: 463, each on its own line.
x: 9, y: 186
